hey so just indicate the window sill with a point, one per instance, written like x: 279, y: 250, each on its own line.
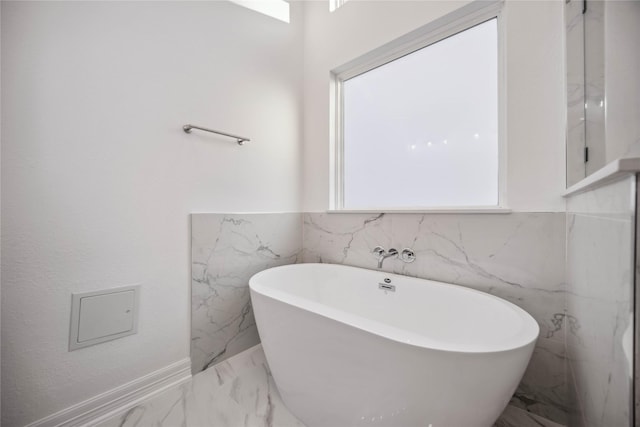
x: 458, y: 210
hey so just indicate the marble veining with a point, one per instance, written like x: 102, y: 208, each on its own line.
x: 514, y: 417
x: 600, y: 271
x: 226, y: 250
x: 519, y: 257
x: 241, y: 392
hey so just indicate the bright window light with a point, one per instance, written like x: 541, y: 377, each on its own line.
x: 278, y: 9
x: 422, y: 131
x: 334, y: 4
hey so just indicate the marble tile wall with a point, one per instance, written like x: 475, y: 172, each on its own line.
x: 585, y: 67
x: 226, y: 250
x: 600, y: 276
x: 594, y: 75
x: 574, y: 44
x: 518, y: 256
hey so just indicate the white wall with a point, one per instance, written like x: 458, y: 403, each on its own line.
x: 98, y: 178
x: 535, y: 88
x: 622, y: 86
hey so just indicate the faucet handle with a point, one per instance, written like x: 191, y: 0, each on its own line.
x: 408, y: 255
x: 378, y: 251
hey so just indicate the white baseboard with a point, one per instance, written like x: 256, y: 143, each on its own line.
x: 120, y: 398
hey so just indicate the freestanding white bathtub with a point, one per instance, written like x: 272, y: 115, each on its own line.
x: 344, y: 350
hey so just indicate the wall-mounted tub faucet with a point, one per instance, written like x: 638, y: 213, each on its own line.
x: 382, y: 254
x: 407, y: 254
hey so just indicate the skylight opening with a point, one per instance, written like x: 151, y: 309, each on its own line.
x: 278, y: 9
x: 335, y: 4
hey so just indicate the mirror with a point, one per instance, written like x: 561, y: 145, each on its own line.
x: 603, y: 84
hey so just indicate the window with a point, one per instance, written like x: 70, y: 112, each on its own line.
x: 278, y: 9
x: 420, y: 130
x: 335, y: 4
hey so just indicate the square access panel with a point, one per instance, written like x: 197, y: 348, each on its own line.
x: 103, y: 315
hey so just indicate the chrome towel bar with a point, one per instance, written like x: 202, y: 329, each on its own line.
x: 239, y: 139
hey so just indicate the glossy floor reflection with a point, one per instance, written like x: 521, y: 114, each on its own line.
x: 241, y: 392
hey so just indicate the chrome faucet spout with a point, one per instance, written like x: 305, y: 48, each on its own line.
x: 382, y: 254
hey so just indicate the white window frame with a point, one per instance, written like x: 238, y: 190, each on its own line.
x: 455, y: 22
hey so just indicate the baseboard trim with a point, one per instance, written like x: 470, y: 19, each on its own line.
x: 120, y: 398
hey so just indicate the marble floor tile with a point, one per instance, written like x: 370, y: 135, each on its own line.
x: 240, y: 392
x: 515, y: 417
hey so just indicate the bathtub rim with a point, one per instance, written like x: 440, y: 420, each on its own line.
x: 387, y: 331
